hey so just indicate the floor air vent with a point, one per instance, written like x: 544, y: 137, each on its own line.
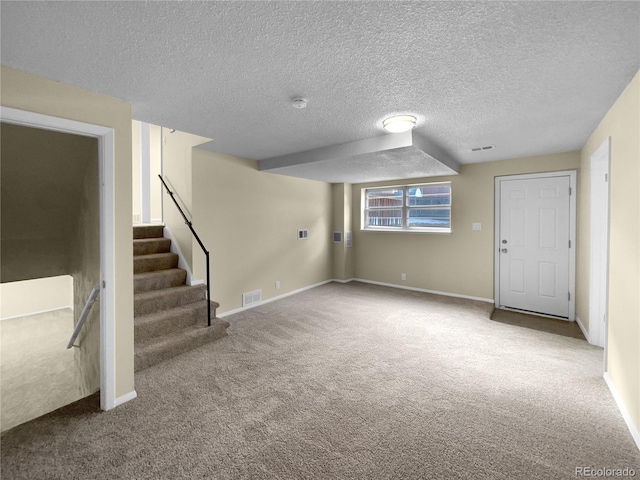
x: 250, y: 298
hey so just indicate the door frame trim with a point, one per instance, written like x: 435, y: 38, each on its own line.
x: 106, y: 162
x: 598, y: 335
x: 572, y: 174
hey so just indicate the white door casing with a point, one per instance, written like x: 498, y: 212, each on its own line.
x: 535, y: 243
x: 599, y: 245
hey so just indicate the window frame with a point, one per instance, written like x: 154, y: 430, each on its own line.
x: 364, y: 210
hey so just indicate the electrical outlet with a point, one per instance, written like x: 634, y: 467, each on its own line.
x: 277, y: 284
x: 476, y: 226
x: 403, y: 276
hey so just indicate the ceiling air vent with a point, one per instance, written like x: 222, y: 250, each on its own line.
x: 480, y: 149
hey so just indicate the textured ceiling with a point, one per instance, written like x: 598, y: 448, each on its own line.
x: 528, y: 77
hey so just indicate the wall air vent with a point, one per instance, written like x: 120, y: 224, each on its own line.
x: 250, y: 298
x: 480, y: 149
x: 337, y: 237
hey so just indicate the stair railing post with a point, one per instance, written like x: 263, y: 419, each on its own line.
x: 208, y: 292
x: 195, y: 235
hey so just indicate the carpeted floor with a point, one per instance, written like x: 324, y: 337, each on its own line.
x: 347, y: 381
x: 37, y: 371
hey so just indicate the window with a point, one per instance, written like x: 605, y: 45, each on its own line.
x: 419, y: 208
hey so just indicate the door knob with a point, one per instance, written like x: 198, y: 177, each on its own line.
x: 504, y: 250
x: 504, y: 241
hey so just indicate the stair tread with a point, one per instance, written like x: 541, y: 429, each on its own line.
x: 158, y: 279
x: 152, y: 301
x: 172, y: 312
x: 159, y: 273
x: 153, y: 343
x: 147, y: 246
x: 149, y: 239
x: 155, y: 255
x: 159, y: 349
x: 154, y: 261
x: 148, y: 231
x: 167, y: 291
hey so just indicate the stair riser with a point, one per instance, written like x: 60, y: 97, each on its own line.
x: 171, y: 299
x: 197, y: 315
x: 172, y: 278
x: 148, y: 231
x: 146, y: 263
x: 149, y: 246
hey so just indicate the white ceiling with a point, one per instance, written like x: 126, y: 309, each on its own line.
x: 530, y: 78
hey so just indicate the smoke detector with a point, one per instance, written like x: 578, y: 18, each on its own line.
x: 299, y: 102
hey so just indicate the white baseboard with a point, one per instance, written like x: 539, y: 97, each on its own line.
x: 633, y: 429
x: 293, y: 292
x: 435, y: 292
x: 69, y: 307
x: 584, y: 330
x: 272, y: 299
x: 125, y: 398
x: 337, y: 280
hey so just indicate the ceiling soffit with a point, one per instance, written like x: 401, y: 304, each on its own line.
x: 386, y: 157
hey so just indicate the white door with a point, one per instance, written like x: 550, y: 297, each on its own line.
x: 534, y: 234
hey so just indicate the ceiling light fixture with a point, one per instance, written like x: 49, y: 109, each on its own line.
x: 399, y: 123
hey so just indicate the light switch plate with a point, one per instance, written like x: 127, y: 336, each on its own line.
x: 476, y: 226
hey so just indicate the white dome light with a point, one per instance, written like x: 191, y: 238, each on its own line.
x: 399, y: 123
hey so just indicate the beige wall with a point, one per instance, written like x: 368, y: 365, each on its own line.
x: 177, y: 171
x: 136, y: 193
x: 38, y: 209
x: 53, y: 293
x: 461, y: 263
x: 249, y: 221
x: 622, y: 124
x: 85, y: 269
x: 36, y: 94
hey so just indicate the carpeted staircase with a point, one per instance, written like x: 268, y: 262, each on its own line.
x: 170, y: 316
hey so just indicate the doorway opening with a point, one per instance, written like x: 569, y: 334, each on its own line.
x: 104, y: 215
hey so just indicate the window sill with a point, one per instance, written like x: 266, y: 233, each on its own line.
x: 436, y: 231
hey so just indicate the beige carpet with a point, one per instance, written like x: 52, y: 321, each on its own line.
x: 347, y: 382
